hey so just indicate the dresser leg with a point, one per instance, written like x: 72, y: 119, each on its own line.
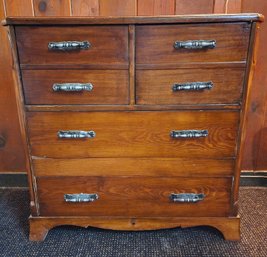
x: 38, y: 229
x: 230, y: 228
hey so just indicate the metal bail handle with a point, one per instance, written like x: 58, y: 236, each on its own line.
x: 195, y: 44
x: 192, y: 86
x: 78, y: 198
x: 188, y: 133
x: 187, y: 198
x: 72, y: 87
x: 76, y: 134
x: 69, y: 45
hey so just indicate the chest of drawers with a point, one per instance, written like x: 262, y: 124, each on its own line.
x: 134, y: 123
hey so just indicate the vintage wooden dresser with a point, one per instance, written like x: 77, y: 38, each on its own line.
x: 134, y: 123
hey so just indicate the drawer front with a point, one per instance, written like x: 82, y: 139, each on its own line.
x: 155, y: 44
x: 107, y: 45
x: 155, y: 167
x: 100, y: 86
x: 134, y: 134
x: 190, y: 86
x: 133, y: 197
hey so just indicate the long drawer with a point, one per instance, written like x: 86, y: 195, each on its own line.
x: 205, y: 134
x: 96, y: 45
x: 190, y: 86
x: 134, y: 197
x: 138, y: 167
x: 155, y: 44
x: 75, y: 86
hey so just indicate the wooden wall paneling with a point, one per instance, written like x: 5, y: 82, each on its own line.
x: 18, y: 7
x: 220, y: 6
x: 227, y: 6
x: 155, y: 7
x: 12, y: 156
x: 52, y: 7
x: 194, y: 6
x: 262, y: 153
x: 255, y: 153
x: 117, y: 8
x: 234, y: 6
x: 85, y: 7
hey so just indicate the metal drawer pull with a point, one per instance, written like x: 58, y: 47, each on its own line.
x: 187, y: 198
x: 73, y: 87
x: 69, y: 45
x: 76, y: 134
x: 80, y: 198
x: 196, y: 86
x: 189, y: 133
x: 195, y: 44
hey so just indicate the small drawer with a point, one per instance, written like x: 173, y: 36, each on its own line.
x: 170, y: 44
x: 134, y: 197
x: 190, y: 86
x: 205, y: 134
x: 75, y: 86
x: 73, y: 45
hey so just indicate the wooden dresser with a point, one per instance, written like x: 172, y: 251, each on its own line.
x: 134, y: 123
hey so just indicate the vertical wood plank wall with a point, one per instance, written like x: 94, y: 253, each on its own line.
x: 255, y: 157
x: 11, y: 155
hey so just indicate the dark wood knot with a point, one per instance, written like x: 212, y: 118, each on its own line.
x: 42, y: 6
x: 2, y: 141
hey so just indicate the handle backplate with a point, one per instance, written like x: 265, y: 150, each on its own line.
x: 188, y: 133
x: 76, y: 134
x: 78, y: 198
x: 72, y: 87
x: 192, y: 86
x: 195, y: 44
x: 69, y: 45
x: 187, y: 197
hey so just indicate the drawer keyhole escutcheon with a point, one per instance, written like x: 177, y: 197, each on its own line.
x: 80, y: 198
x: 187, y: 198
x: 76, y: 134
x: 195, y: 44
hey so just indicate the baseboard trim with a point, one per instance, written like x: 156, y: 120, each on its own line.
x: 13, y: 180
x: 256, y: 181
x: 19, y: 180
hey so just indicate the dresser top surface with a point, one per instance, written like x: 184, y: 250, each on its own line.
x: 244, y: 17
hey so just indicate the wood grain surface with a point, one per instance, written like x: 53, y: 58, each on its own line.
x: 12, y: 156
x: 52, y: 7
x: 228, y: 226
x: 155, y: 86
x: 108, y: 45
x: 156, y: 7
x: 134, y: 197
x: 117, y: 8
x: 17, y: 8
x: 255, y: 157
x: 85, y: 7
x: 194, y: 6
x: 158, y: 167
x: 134, y: 134
x: 163, y: 19
x: 109, y: 86
x: 154, y: 45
